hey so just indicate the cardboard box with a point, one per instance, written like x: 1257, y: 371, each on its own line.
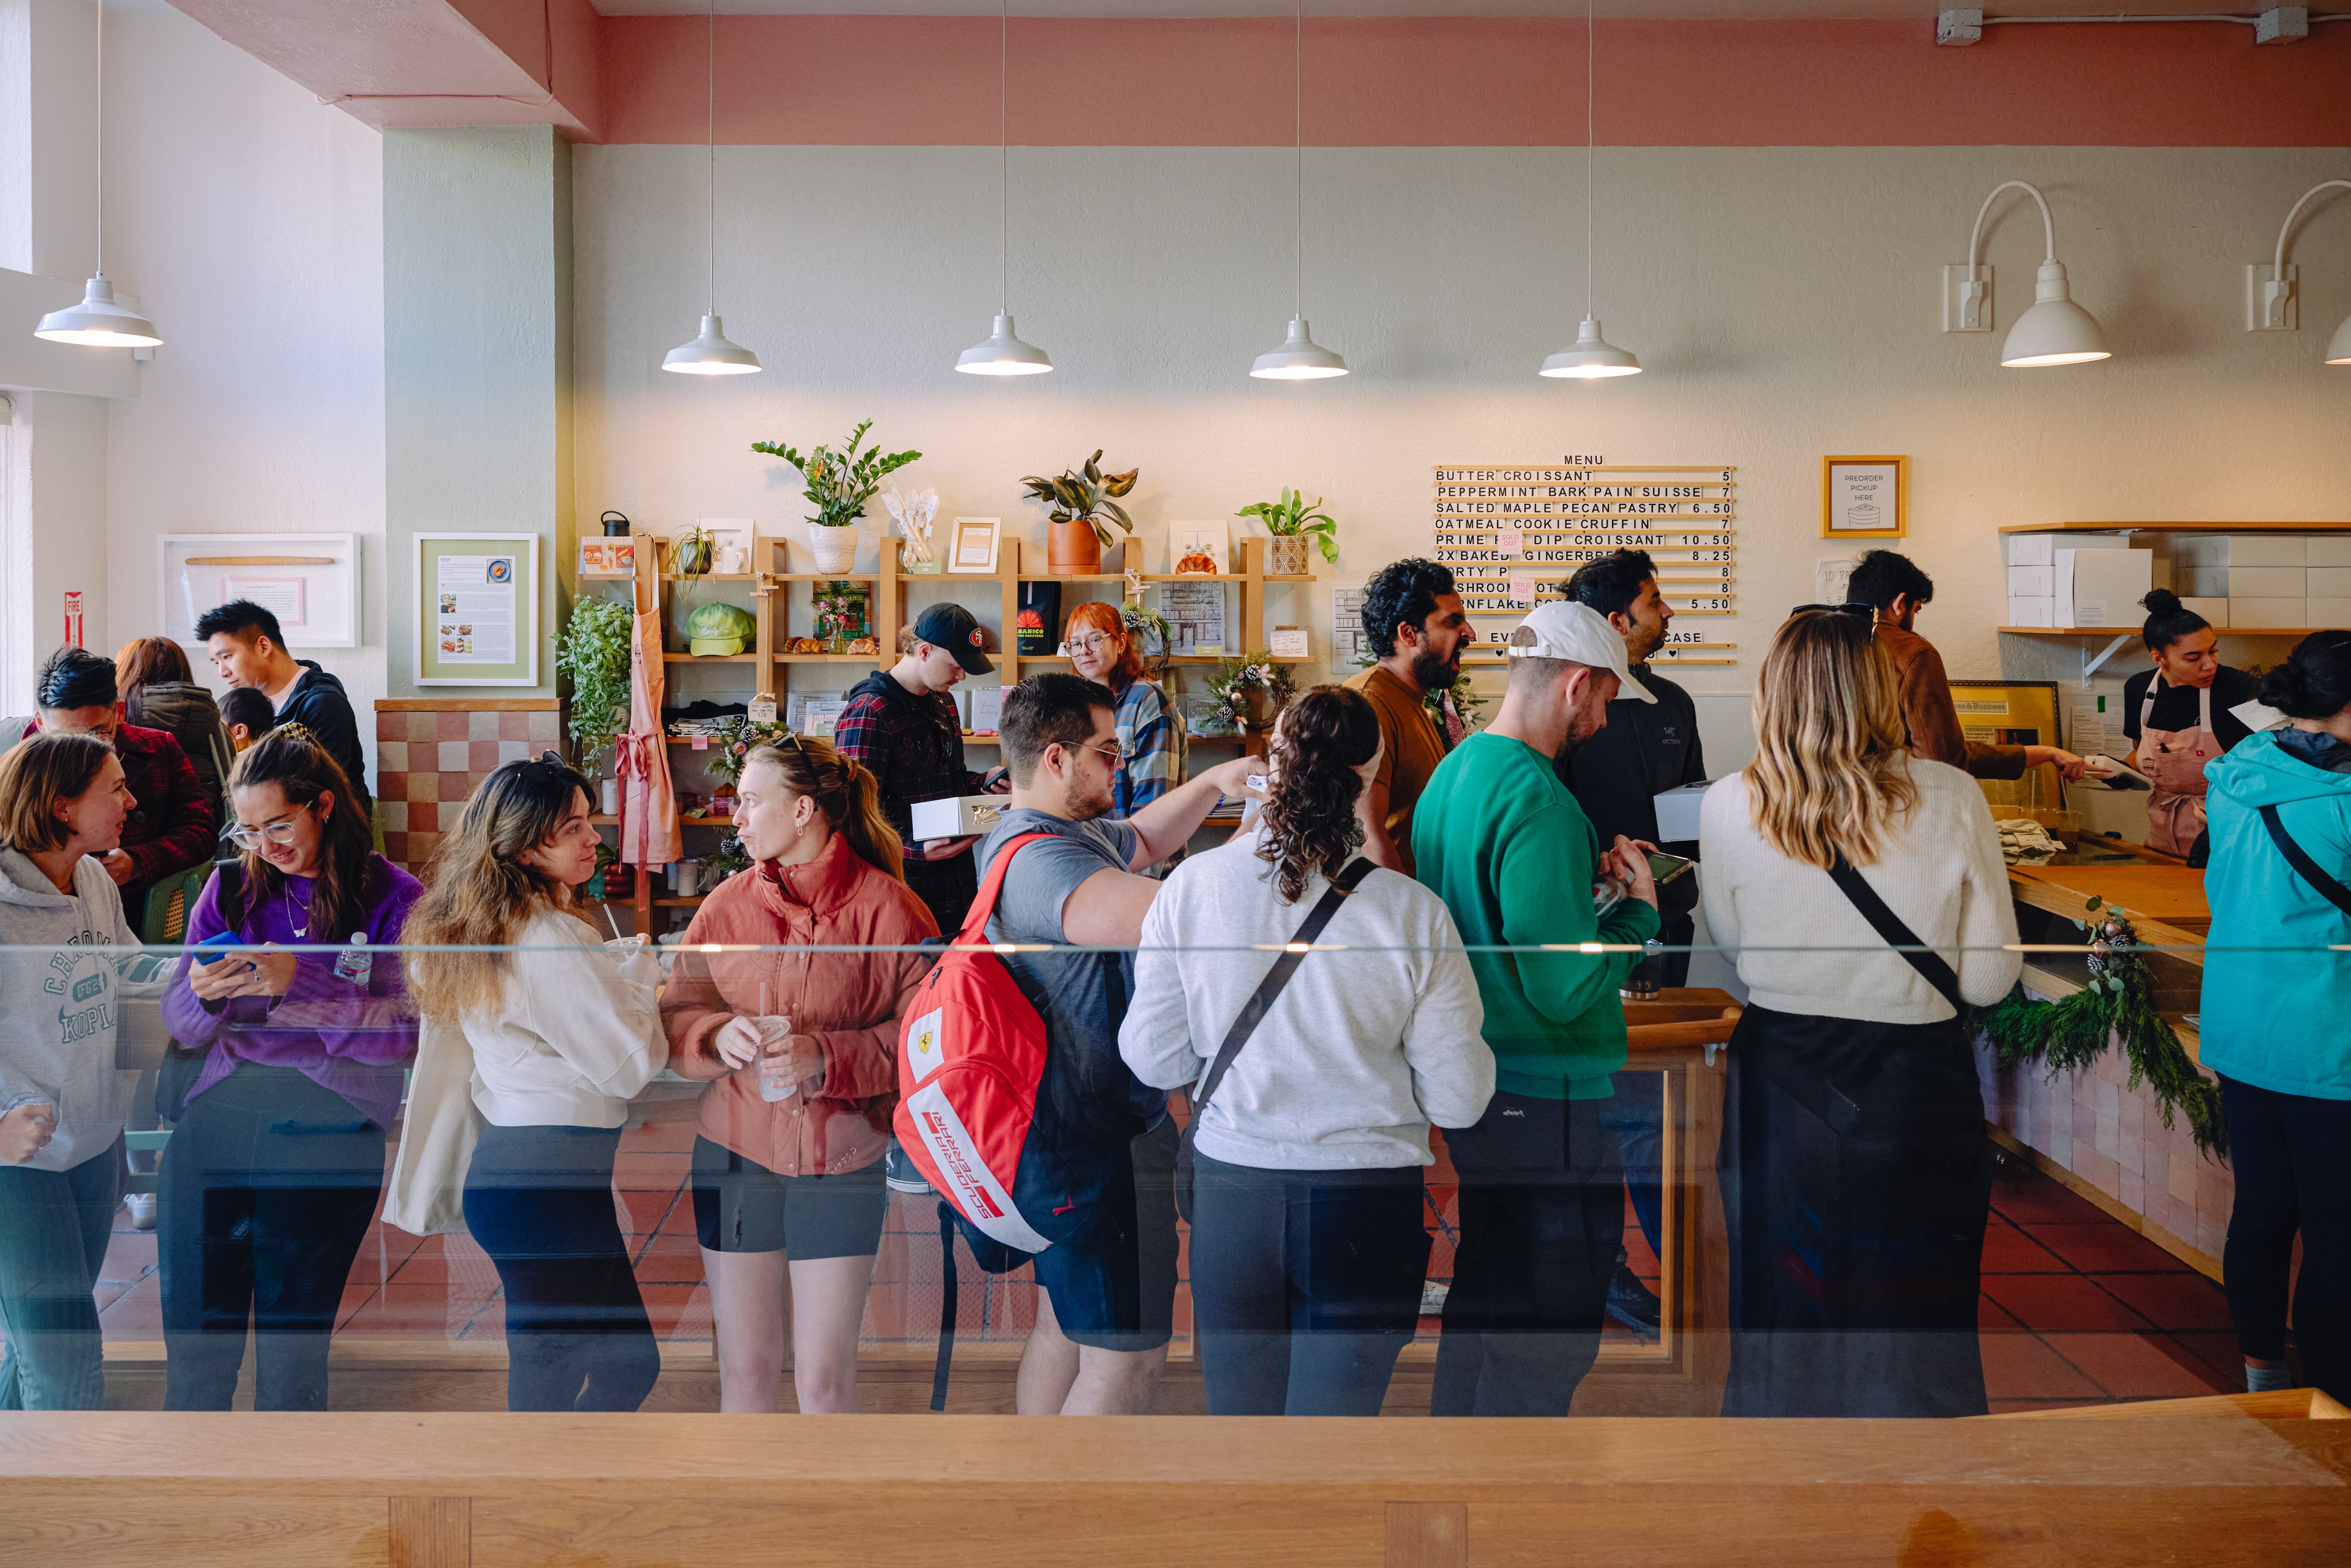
x: 2199, y: 550
x: 2245, y: 612
x: 1678, y: 813
x: 2199, y: 581
x: 2329, y: 583
x: 2025, y: 610
x: 2031, y: 549
x: 2215, y: 611
x: 2267, y: 550
x: 2098, y: 587
x: 2327, y: 612
x: 2031, y: 582
x: 2328, y: 549
x: 957, y: 815
x: 2267, y: 581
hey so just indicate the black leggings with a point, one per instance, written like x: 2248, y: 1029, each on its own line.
x: 265, y: 1193
x: 2291, y: 1157
x: 1305, y: 1285
x: 539, y: 1200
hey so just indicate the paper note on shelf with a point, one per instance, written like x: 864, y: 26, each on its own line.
x: 987, y: 709
x: 1287, y: 643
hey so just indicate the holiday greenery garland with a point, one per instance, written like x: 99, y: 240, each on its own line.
x: 2071, y: 1033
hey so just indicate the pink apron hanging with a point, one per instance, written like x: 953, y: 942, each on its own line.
x: 2173, y: 761
x: 649, y: 831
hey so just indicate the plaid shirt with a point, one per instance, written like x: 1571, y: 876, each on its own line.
x: 1152, y: 738
x: 913, y: 744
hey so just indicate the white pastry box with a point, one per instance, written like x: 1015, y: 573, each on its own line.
x: 957, y: 815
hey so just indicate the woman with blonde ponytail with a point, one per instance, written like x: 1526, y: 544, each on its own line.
x: 799, y: 1034
x: 564, y: 1033
x: 1863, y: 887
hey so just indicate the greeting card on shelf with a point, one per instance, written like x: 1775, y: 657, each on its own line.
x: 1202, y: 549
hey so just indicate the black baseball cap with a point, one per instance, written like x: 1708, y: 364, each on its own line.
x: 950, y: 626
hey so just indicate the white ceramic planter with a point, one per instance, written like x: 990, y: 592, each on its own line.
x: 835, y: 549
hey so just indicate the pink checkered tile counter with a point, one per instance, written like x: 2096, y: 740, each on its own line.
x: 429, y: 759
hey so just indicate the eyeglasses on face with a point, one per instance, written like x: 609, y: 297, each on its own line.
x: 280, y: 831
x: 1092, y: 645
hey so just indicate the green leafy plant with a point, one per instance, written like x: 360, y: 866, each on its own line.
x: 1234, y: 682
x: 1294, y: 514
x: 2071, y: 1033
x: 693, y: 551
x: 840, y: 482
x: 594, y: 653
x: 723, y: 861
x: 1087, y: 495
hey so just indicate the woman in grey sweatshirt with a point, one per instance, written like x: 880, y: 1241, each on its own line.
x: 62, y: 800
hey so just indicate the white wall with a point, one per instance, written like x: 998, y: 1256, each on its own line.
x: 252, y: 216
x: 1784, y: 301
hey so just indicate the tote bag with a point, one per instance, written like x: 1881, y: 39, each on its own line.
x: 426, y: 1194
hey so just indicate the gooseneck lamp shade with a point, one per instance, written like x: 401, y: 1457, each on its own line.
x: 710, y: 354
x: 1299, y: 358
x: 2055, y: 330
x: 98, y: 322
x: 2338, y: 350
x: 1593, y: 359
x: 1004, y: 354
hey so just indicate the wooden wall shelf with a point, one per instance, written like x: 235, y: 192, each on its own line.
x: 2133, y: 631
x: 2344, y: 528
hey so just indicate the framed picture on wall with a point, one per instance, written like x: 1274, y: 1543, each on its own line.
x: 972, y: 543
x: 1864, y: 498
x: 309, y: 581
x: 1199, y: 549
x: 2014, y: 712
x: 475, y: 610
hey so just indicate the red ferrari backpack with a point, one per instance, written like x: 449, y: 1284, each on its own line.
x: 971, y: 1055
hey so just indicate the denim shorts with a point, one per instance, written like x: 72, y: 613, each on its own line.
x: 741, y: 1206
x: 1113, y: 1285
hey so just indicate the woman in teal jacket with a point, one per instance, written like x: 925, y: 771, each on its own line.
x: 2273, y: 1020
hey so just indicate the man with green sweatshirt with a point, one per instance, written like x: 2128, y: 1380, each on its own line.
x: 1502, y: 840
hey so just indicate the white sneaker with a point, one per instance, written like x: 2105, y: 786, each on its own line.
x: 142, y: 1211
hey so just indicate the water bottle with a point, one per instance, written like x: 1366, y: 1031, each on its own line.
x: 355, y: 963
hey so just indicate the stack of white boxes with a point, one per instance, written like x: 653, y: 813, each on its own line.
x: 2264, y: 580
x: 2076, y: 579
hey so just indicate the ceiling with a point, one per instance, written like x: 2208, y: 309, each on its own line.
x: 1922, y: 11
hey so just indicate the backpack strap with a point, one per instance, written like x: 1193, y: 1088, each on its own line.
x: 983, y: 903
x: 2325, y: 886
x: 1293, y: 955
x: 1930, y: 965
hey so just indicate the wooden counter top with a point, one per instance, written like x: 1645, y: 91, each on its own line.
x: 2166, y: 902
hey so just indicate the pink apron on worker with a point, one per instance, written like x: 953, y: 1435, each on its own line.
x: 2173, y: 761
x: 649, y: 831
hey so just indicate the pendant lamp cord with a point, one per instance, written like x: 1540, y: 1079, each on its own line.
x: 1298, y: 94
x: 1588, y: 78
x: 1004, y: 155
x: 102, y: 137
x: 710, y: 108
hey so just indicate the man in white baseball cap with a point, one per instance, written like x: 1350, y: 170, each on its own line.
x: 1502, y: 841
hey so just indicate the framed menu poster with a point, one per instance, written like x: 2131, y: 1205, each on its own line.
x: 1864, y: 498
x: 477, y: 609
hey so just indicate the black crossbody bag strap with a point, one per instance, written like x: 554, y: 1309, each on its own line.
x: 2325, y: 886
x: 1930, y: 965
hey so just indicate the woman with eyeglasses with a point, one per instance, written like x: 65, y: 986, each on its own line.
x: 564, y: 1032
x: 798, y: 1032
x: 1150, y: 730
x: 272, y: 1174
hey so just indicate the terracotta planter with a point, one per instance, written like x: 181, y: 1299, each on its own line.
x: 1285, y: 555
x: 1072, y: 550
x: 835, y: 549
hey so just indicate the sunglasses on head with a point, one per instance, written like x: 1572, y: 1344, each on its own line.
x: 1850, y: 607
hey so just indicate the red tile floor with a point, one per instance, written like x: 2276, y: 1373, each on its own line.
x: 2078, y: 1308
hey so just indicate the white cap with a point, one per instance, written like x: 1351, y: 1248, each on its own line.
x: 1566, y: 630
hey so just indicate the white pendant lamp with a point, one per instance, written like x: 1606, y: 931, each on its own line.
x: 1593, y: 357
x: 2054, y: 330
x: 2338, y: 351
x: 1299, y: 358
x: 98, y: 321
x: 1002, y: 353
x: 710, y: 354
x: 2278, y: 299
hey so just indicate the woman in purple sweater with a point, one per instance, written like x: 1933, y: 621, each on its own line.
x: 272, y: 1174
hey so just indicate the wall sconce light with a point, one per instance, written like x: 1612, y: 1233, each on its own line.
x: 2053, y: 331
x: 2273, y: 291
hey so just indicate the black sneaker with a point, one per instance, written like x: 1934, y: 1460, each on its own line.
x: 1632, y: 1303
x: 898, y: 1172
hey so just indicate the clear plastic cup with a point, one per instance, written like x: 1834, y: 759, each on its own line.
x: 775, y: 1081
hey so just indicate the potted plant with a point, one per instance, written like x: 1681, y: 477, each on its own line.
x: 1290, y: 520
x: 838, y: 486
x: 594, y: 651
x: 1253, y: 687
x: 691, y: 555
x: 1081, y: 501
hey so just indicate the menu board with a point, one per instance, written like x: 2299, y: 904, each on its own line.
x: 1514, y: 534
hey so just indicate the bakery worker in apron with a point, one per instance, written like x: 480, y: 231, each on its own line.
x: 2177, y: 715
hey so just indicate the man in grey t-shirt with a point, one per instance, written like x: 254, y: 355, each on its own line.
x: 1109, y: 1291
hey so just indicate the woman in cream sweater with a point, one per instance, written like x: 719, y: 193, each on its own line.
x: 1857, y: 1173
x: 564, y: 1031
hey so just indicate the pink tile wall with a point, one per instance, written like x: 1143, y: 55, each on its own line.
x: 428, y: 763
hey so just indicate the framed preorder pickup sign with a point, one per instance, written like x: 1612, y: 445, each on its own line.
x: 1864, y: 498
x: 477, y: 609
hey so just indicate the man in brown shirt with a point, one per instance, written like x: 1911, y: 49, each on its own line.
x: 1894, y: 587
x: 1415, y: 625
